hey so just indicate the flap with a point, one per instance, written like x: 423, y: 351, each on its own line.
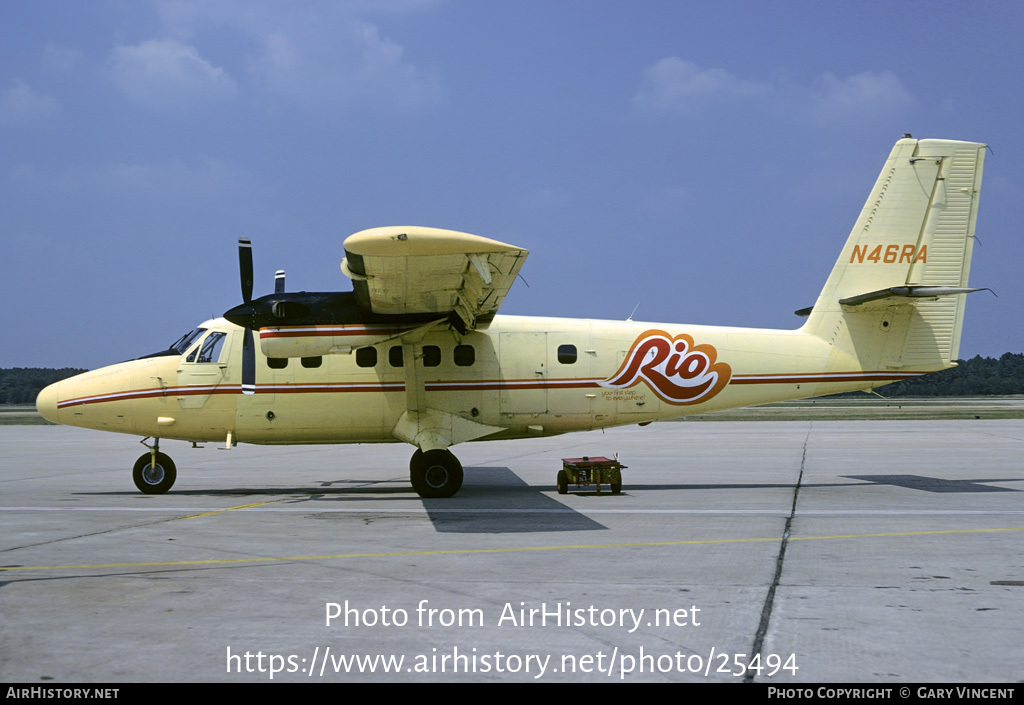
x: 413, y: 270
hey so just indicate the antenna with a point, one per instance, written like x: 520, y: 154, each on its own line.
x: 634, y: 311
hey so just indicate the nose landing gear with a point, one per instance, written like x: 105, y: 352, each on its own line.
x: 154, y: 472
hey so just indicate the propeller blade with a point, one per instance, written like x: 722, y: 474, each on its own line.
x: 279, y: 282
x: 248, y: 363
x: 245, y: 267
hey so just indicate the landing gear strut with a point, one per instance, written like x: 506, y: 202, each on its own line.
x: 435, y: 474
x: 154, y: 472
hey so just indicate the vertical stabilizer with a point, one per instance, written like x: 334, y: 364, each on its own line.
x: 895, y: 298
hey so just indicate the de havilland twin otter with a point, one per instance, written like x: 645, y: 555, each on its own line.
x: 416, y: 352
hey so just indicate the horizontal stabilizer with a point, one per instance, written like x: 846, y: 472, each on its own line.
x: 906, y: 292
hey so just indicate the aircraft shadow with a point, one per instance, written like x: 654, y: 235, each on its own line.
x: 911, y: 482
x: 492, y: 500
x: 936, y: 484
x: 496, y: 501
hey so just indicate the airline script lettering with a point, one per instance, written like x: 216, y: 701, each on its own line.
x: 675, y: 368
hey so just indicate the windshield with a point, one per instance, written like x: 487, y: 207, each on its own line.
x: 186, y: 340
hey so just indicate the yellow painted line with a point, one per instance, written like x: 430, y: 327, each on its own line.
x: 456, y: 551
x: 226, y: 509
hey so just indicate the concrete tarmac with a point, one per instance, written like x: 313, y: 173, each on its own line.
x: 783, y: 552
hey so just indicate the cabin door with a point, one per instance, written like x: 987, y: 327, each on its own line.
x: 524, y: 373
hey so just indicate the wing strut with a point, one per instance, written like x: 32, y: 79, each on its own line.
x: 423, y: 426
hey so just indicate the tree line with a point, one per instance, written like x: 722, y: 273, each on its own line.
x: 21, y: 385
x: 979, y: 376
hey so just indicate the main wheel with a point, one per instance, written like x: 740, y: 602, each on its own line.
x: 434, y: 474
x: 154, y: 480
x: 562, y: 483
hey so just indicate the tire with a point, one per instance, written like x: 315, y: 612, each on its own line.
x: 563, y: 482
x: 152, y: 480
x: 435, y: 474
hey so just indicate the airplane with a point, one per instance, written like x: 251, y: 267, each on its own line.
x: 417, y: 352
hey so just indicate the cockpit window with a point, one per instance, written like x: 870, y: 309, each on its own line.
x: 210, y: 349
x: 210, y: 352
x: 186, y: 340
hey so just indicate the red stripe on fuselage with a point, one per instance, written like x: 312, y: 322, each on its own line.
x: 464, y: 386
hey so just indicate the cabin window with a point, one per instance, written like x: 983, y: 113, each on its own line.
x: 277, y: 363
x: 395, y: 356
x: 431, y: 356
x: 567, y: 354
x: 465, y: 355
x: 366, y: 357
x: 312, y: 361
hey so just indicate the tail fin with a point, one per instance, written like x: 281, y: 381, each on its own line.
x: 895, y: 298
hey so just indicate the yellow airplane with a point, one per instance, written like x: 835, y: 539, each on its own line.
x: 416, y: 352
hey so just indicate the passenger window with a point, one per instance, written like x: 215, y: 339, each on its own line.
x: 312, y: 361
x: 465, y: 355
x: 567, y: 354
x: 431, y: 356
x: 395, y: 356
x: 277, y: 363
x: 366, y: 357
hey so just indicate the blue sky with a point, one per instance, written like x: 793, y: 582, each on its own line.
x: 706, y: 160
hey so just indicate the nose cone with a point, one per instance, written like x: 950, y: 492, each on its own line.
x: 46, y: 403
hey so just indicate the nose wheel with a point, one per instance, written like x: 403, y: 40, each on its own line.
x: 435, y: 474
x: 154, y: 477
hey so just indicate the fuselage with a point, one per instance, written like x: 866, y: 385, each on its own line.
x: 524, y: 376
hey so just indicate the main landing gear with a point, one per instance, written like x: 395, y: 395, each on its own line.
x: 154, y: 472
x: 435, y: 473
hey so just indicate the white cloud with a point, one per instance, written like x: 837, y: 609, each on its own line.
x: 22, y: 105
x: 350, y: 66
x: 164, y: 73
x: 316, y: 56
x: 860, y: 95
x: 674, y: 86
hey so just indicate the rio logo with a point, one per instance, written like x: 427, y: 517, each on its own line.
x: 676, y: 369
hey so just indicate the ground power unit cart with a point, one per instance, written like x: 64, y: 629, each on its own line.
x: 587, y: 471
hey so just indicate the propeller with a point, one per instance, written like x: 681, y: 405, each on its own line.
x: 251, y: 314
x: 248, y: 346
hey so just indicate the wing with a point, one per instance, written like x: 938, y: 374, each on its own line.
x: 412, y: 270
